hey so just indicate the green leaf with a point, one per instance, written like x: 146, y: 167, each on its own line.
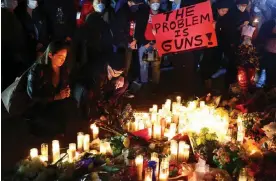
x: 110, y: 169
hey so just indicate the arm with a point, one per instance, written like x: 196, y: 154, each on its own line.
x: 35, y: 86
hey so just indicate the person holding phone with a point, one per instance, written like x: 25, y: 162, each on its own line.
x: 48, y: 86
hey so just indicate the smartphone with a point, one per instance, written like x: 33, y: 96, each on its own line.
x: 78, y: 15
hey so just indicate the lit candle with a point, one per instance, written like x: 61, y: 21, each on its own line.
x: 168, y: 120
x: 141, y: 125
x: 55, y: 150
x: 108, y: 148
x: 150, y: 132
x: 174, y: 148
x: 183, y: 151
x: 148, y: 174
x: 202, y: 104
x: 72, y: 152
x: 139, y: 166
x: 154, y: 117
x: 156, y: 131
x: 172, y: 130
x: 154, y: 108
x: 95, y: 131
x: 154, y: 157
x: 164, y: 174
x: 192, y: 105
x: 243, y: 175
x: 34, y: 153
x: 80, y: 138
x: 44, y: 152
x: 86, y: 143
x: 178, y: 99
x: 102, y: 148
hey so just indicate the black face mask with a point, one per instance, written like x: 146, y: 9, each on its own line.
x: 134, y: 8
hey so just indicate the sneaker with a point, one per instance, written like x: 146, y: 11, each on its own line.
x: 128, y: 95
x: 219, y: 73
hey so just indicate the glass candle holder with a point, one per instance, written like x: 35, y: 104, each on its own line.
x: 44, y: 151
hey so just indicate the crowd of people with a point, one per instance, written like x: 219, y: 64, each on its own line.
x: 79, y: 53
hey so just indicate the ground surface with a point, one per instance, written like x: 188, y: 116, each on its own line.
x: 17, y: 141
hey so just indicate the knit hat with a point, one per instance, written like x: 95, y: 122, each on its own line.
x: 224, y: 4
x: 242, y: 2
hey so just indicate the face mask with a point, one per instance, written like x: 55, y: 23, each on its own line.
x: 242, y: 8
x: 32, y: 4
x: 99, y: 7
x: 134, y: 8
x: 155, y: 6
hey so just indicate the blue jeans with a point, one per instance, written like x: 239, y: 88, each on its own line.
x: 144, y: 68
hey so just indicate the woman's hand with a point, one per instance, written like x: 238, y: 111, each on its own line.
x: 119, y: 82
x: 133, y: 45
x: 63, y: 94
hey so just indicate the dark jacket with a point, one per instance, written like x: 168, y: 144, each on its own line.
x: 39, y: 85
x: 60, y: 19
x: 121, y: 24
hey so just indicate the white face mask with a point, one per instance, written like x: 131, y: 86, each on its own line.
x: 241, y: 8
x: 155, y: 6
x: 32, y: 4
x: 99, y: 7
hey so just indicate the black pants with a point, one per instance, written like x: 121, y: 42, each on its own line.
x: 269, y: 64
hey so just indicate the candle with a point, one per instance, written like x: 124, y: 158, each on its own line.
x: 168, y: 120
x: 86, y: 143
x: 174, y: 148
x: 139, y: 166
x: 243, y: 175
x: 95, y: 131
x: 72, y: 152
x: 156, y: 131
x: 154, y: 117
x: 154, y: 108
x: 192, y: 105
x: 44, y: 152
x: 150, y: 132
x: 202, y: 104
x: 141, y: 125
x: 178, y: 99
x: 55, y: 150
x: 172, y: 130
x: 154, y: 157
x: 164, y: 174
x: 80, y: 138
x: 102, y: 148
x: 34, y: 153
x: 148, y: 174
x: 108, y: 147
x: 183, y: 151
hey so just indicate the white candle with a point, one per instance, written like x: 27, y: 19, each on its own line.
x: 172, y: 130
x: 174, y: 149
x: 148, y: 174
x: 139, y: 166
x: 154, y: 157
x: 178, y: 99
x: 202, y: 104
x: 102, y: 148
x: 34, y: 153
x: 141, y: 125
x: 157, y: 131
x: 164, y: 174
x: 168, y: 120
x: 108, y: 147
x: 95, y: 131
x: 80, y: 138
x: 150, y: 132
x: 154, y: 117
x: 44, y: 152
x: 86, y: 143
x: 55, y: 150
x: 72, y: 152
x: 183, y: 151
x: 154, y: 108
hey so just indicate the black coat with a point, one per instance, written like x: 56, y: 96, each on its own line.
x: 59, y: 26
x: 39, y: 85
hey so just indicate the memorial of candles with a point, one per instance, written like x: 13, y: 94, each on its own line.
x: 183, y: 151
x: 86, y: 142
x: 148, y: 174
x: 55, y: 150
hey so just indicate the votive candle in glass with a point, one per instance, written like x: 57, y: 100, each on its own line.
x: 157, y: 131
x: 139, y: 160
x: 80, y: 138
x: 55, y: 150
x: 102, y: 147
x: 178, y: 99
x: 154, y: 157
x: 72, y: 152
x: 34, y: 153
x: 95, y: 131
x: 174, y: 150
x: 86, y: 143
x: 44, y: 152
x: 164, y: 174
x: 148, y: 174
x: 183, y: 151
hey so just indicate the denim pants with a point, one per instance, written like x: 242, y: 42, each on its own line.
x: 144, y: 68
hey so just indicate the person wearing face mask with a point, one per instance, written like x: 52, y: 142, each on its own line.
x: 145, y: 37
x: 31, y: 19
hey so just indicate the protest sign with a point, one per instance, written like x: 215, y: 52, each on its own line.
x: 185, y: 29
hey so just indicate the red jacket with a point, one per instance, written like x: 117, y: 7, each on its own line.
x: 86, y: 9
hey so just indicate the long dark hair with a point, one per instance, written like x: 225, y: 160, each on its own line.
x: 53, y: 48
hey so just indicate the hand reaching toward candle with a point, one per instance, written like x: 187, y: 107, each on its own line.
x: 119, y: 82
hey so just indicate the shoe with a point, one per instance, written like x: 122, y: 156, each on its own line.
x: 128, y: 95
x: 219, y: 73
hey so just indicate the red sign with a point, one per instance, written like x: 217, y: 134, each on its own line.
x: 185, y: 29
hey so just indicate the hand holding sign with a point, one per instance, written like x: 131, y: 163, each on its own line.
x: 185, y: 29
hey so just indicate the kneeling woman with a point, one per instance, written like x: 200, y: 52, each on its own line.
x: 48, y: 87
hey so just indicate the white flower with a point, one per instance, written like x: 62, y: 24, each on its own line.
x: 270, y: 129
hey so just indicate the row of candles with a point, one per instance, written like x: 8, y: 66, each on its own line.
x: 175, y: 118
x: 83, y: 144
